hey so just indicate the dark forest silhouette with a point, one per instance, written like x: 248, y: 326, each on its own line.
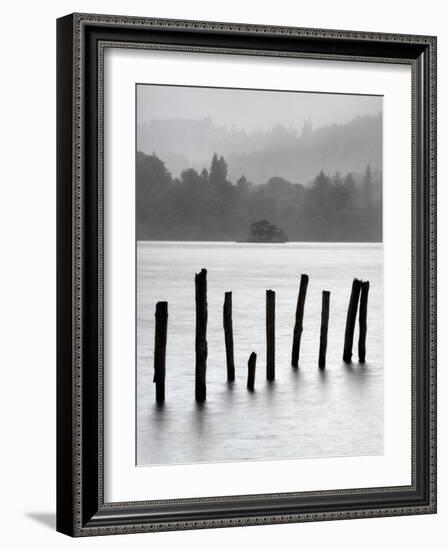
x: 206, y: 206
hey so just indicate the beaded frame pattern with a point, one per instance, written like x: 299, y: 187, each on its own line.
x: 79, y: 21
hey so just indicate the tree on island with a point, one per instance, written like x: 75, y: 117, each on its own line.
x: 266, y: 232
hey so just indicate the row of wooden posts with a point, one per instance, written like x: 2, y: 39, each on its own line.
x: 359, y: 296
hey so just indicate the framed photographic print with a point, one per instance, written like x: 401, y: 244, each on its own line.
x: 246, y: 274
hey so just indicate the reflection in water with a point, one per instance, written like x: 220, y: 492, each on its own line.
x: 199, y: 418
x: 323, y: 374
x: 305, y: 412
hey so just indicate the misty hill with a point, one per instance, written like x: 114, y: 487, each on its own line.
x: 285, y: 152
x: 207, y: 206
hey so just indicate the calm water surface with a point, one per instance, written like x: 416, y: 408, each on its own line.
x: 305, y: 412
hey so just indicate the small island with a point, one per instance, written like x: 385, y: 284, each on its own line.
x: 266, y: 232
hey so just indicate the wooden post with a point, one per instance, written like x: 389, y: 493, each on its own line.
x: 251, y: 364
x: 160, y: 350
x: 270, y: 335
x: 351, y: 319
x: 324, y: 328
x: 228, y: 336
x: 201, y: 335
x: 298, y: 326
x: 363, y: 321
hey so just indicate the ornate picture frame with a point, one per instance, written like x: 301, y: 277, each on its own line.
x: 81, y: 506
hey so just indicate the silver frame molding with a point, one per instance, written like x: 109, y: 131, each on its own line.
x: 82, y: 38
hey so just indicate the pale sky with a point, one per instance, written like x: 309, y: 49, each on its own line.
x: 251, y: 109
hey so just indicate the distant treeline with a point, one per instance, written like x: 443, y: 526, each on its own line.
x: 206, y: 206
x: 283, y: 151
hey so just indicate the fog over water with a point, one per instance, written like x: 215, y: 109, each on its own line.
x: 221, y: 175
x: 305, y: 412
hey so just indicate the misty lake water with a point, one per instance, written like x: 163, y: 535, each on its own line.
x: 306, y: 412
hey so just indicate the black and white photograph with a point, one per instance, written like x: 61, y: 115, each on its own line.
x: 246, y: 276
x: 259, y: 274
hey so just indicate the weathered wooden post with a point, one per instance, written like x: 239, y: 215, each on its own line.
x: 228, y: 336
x: 251, y: 364
x: 160, y: 350
x: 363, y: 321
x: 270, y: 335
x: 201, y: 335
x: 298, y: 326
x: 351, y: 319
x: 324, y: 328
